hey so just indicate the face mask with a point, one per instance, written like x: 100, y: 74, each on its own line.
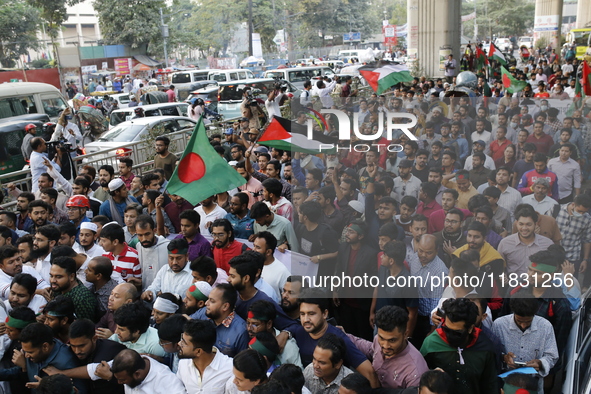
x: 544, y: 108
x: 577, y: 214
x: 456, y: 338
x: 514, y: 124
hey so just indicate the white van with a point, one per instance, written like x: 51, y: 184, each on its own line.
x: 299, y: 75
x: 236, y: 74
x: 187, y: 81
x: 162, y: 109
x: 349, y: 53
x: 23, y: 98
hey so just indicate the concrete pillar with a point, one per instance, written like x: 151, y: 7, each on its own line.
x: 434, y: 30
x: 583, y: 14
x: 548, y: 11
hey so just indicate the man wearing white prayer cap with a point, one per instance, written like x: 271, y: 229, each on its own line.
x: 88, y: 237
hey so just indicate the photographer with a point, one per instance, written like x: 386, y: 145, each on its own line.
x: 272, y: 102
x: 250, y: 109
x: 66, y: 130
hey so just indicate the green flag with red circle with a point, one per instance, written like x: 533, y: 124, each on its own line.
x: 511, y: 84
x: 202, y: 172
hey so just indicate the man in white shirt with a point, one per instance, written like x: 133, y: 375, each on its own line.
x: 141, y: 374
x: 37, y: 162
x: 175, y: 277
x: 539, y: 199
x: 272, y: 103
x: 208, y: 212
x: 323, y: 90
x: 202, y: 368
x: 10, y: 266
x: 305, y: 97
x: 151, y: 250
x: 275, y: 273
x: 67, y: 130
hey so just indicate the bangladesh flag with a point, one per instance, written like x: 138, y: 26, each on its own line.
x: 201, y: 172
x: 284, y: 134
x: 511, y: 84
x: 381, y: 78
x: 495, y: 54
x: 481, y: 59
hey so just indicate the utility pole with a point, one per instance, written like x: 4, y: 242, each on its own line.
x: 475, y: 23
x: 250, y: 28
x: 164, y: 29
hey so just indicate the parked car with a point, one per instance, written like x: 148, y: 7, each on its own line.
x: 504, y: 44
x: 209, y: 96
x: 162, y: 109
x: 134, y: 130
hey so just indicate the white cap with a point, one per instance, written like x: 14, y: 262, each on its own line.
x: 115, y: 184
x: 89, y: 226
x: 358, y: 206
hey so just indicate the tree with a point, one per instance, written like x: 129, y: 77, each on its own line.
x: 501, y: 18
x: 54, y: 13
x: 18, y: 34
x: 131, y: 22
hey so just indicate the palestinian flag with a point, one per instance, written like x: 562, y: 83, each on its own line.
x: 511, y: 84
x: 385, y: 76
x: 495, y: 54
x: 481, y: 59
x: 201, y: 172
x: 285, y: 134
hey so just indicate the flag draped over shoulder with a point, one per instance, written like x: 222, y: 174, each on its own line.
x: 285, y: 134
x: 201, y: 172
x: 383, y: 76
x: 511, y: 84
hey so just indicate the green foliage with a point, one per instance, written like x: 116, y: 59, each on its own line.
x: 131, y: 22
x: 40, y: 63
x: 19, y: 23
x: 54, y: 13
x: 541, y: 42
x: 501, y: 18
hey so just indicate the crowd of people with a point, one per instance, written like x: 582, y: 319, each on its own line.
x: 111, y: 284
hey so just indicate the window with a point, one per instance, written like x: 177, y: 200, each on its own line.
x: 233, y: 76
x: 52, y: 106
x: 186, y: 124
x: 201, y: 76
x: 15, y: 106
x: 181, y: 78
x: 169, y: 111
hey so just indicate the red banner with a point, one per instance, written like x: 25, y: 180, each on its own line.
x: 122, y: 66
x: 389, y: 32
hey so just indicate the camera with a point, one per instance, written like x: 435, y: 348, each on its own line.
x: 277, y: 85
x: 250, y: 100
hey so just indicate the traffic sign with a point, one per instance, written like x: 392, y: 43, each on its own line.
x: 351, y: 37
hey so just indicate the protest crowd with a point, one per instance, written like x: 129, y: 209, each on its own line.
x: 114, y: 284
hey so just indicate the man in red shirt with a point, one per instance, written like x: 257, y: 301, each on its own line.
x: 497, y: 147
x: 224, y: 245
x: 171, y: 95
x: 427, y: 195
x: 541, y: 140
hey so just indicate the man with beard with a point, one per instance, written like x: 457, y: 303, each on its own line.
x: 225, y: 247
x: 81, y: 187
x: 540, y: 170
x: 253, y: 187
x: 90, y: 349
x: 314, y: 313
x: 106, y: 174
x: 175, y: 208
x: 400, y: 364
x: 261, y: 316
x: 25, y: 248
x: 239, y: 216
x: 151, y: 250
x: 491, y: 261
x: 98, y: 274
x: 11, y: 265
x: 231, y: 333
x: 88, y: 236
x: 459, y: 343
x: 114, y: 206
x: 39, y: 212
x: 46, y: 238
x: 209, y: 211
x: 274, y: 271
x: 451, y: 237
x: 290, y: 296
x: 152, y: 201
x: 176, y: 276
x: 203, y: 367
x: 448, y: 201
x: 196, y: 296
x: 23, y: 219
x: 478, y: 173
x: 164, y: 158
x: 510, y: 197
x: 63, y: 280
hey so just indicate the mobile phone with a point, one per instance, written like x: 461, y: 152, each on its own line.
x: 519, y: 364
x: 440, y: 313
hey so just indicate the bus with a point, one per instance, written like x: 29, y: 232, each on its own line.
x: 581, y: 38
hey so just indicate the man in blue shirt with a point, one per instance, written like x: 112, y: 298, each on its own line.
x: 232, y: 336
x: 239, y: 216
x: 114, y: 206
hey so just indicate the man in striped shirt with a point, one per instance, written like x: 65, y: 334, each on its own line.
x: 125, y: 259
